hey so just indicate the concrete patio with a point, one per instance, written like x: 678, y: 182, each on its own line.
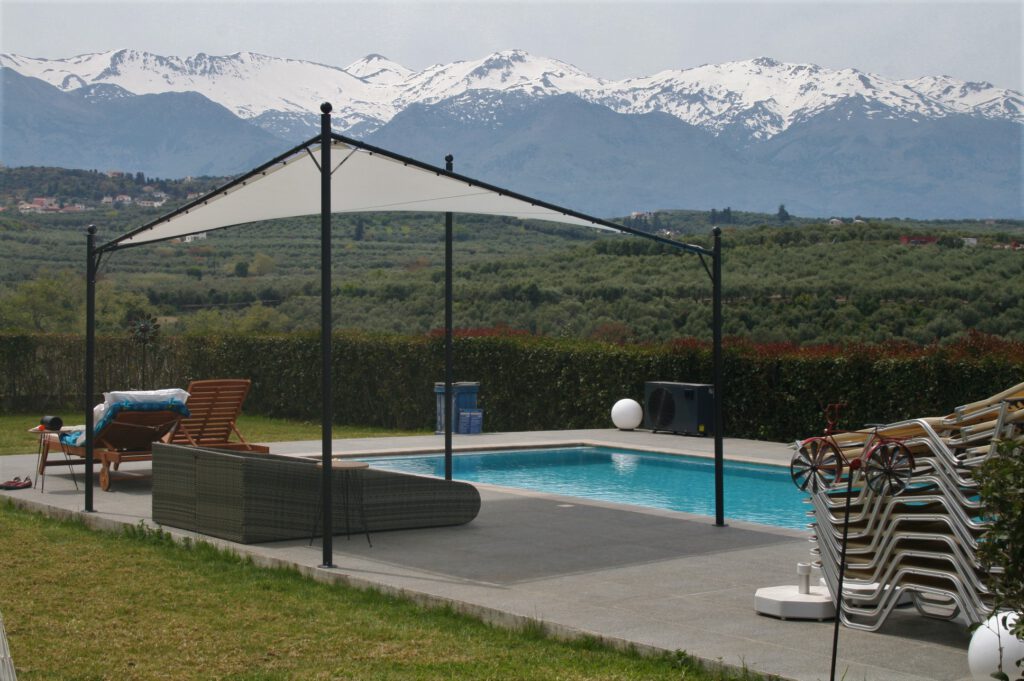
x: 659, y: 580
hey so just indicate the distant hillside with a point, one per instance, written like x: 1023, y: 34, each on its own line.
x: 799, y: 281
x: 842, y: 162
x: 107, y: 128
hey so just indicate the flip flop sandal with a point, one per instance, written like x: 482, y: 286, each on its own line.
x: 17, y: 483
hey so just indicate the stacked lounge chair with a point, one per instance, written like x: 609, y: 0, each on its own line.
x: 917, y: 546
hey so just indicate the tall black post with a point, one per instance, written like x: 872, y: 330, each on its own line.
x: 449, y: 349
x: 716, y: 295
x: 90, y: 355
x: 325, y: 332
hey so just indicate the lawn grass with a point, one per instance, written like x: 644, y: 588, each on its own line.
x: 81, y: 604
x: 15, y: 440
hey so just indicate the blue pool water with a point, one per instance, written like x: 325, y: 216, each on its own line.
x: 756, y: 493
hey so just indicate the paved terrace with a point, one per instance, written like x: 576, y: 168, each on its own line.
x: 659, y: 580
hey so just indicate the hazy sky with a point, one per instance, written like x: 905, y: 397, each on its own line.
x: 966, y: 39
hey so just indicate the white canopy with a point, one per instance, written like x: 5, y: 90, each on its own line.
x: 363, y: 179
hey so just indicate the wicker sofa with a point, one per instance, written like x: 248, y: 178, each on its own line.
x: 250, y: 498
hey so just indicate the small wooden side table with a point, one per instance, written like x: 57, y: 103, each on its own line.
x: 48, y: 438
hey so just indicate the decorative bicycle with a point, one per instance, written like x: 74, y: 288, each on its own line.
x: 820, y: 461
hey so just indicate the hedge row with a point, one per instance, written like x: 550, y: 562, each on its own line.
x: 527, y: 383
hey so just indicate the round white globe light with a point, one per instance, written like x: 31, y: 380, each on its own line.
x: 983, y: 653
x: 627, y: 414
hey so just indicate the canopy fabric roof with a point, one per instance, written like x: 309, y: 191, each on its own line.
x: 363, y: 179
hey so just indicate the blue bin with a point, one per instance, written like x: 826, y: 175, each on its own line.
x: 463, y: 397
x: 471, y: 421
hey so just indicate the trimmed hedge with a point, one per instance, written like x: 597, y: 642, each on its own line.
x: 527, y: 383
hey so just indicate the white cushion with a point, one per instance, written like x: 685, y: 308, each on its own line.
x: 141, y: 396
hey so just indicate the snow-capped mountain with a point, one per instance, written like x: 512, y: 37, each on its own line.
x: 757, y: 98
x: 246, y: 83
x: 377, y: 69
x: 747, y: 134
x: 766, y: 97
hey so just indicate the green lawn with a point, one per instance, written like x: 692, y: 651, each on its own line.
x: 80, y: 604
x: 15, y: 440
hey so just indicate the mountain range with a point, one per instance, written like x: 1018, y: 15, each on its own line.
x: 748, y: 134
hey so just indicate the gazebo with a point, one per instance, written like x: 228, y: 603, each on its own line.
x: 331, y: 173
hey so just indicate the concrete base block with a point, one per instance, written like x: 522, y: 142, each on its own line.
x: 786, y: 602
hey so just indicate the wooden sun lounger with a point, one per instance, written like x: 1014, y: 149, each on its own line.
x: 128, y: 437
x: 215, y: 405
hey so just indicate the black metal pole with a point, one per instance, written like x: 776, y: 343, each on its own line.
x: 449, y: 350
x: 854, y: 465
x: 90, y: 355
x: 325, y: 332
x: 716, y: 295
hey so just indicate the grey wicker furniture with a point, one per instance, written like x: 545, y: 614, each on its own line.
x: 251, y: 498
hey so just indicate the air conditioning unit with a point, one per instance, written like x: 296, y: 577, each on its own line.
x: 679, y: 407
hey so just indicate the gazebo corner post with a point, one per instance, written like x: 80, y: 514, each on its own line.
x: 90, y: 356
x: 326, y: 386
x: 449, y: 349
x: 716, y: 361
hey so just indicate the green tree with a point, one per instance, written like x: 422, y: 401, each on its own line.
x: 1002, y: 479
x: 258, y: 319
x: 262, y: 264
x: 241, y: 269
x: 783, y: 214
x: 49, y: 304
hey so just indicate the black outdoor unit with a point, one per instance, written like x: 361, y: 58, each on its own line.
x: 679, y: 407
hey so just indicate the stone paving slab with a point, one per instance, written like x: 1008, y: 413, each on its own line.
x: 657, y: 580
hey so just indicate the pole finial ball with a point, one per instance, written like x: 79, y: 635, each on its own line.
x: 449, y: 158
x: 326, y: 107
x: 91, y: 229
x: 716, y: 230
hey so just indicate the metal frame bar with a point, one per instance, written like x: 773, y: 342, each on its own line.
x: 326, y: 386
x: 449, y: 343
x: 91, y: 265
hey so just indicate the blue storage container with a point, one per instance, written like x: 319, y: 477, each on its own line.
x: 471, y: 421
x: 463, y: 397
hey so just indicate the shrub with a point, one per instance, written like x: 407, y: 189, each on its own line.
x: 1002, y: 493
x: 771, y: 392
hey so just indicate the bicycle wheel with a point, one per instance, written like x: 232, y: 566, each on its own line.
x: 816, y: 465
x: 888, y: 467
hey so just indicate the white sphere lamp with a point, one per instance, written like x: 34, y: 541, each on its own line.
x: 983, y: 653
x: 627, y: 414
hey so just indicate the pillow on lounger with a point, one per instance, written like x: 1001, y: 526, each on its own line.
x: 144, y: 396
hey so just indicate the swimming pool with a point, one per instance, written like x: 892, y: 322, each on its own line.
x: 753, y: 492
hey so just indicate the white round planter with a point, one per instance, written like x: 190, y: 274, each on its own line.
x: 627, y: 414
x: 983, y: 653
